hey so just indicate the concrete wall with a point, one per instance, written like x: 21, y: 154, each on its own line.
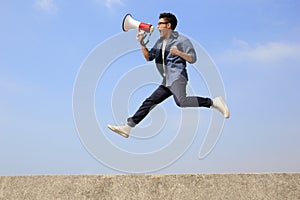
x: 183, y: 187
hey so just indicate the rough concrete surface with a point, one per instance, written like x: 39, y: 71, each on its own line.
x: 185, y: 186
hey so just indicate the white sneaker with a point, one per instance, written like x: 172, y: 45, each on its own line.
x: 123, y: 130
x: 220, y: 105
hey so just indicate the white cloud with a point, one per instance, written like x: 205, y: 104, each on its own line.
x: 48, y: 6
x: 268, y: 53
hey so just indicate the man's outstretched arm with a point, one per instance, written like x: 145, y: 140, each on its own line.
x: 145, y: 51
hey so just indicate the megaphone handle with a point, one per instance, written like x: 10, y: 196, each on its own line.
x: 144, y: 37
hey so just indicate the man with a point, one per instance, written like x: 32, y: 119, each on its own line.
x: 171, y: 52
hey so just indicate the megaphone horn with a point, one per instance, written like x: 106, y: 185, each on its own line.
x: 130, y: 23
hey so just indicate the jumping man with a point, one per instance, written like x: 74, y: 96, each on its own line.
x: 170, y: 52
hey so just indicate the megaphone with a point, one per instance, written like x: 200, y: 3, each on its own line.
x: 130, y: 23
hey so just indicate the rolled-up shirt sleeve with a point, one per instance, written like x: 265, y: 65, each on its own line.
x: 152, y: 54
x: 153, y: 51
x: 188, y: 48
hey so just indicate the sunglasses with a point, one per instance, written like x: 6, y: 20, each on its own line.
x: 159, y: 23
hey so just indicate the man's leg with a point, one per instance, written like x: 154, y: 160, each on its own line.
x: 158, y: 96
x: 178, y: 89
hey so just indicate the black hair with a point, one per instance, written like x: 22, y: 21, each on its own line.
x: 170, y: 18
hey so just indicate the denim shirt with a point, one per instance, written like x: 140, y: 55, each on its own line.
x: 175, y: 66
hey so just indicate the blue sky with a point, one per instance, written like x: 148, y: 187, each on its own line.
x: 254, y: 44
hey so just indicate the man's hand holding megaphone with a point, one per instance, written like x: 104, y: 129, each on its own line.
x: 140, y: 36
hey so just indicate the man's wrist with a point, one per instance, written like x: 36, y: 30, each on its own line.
x: 142, y: 43
x: 143, y: 46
